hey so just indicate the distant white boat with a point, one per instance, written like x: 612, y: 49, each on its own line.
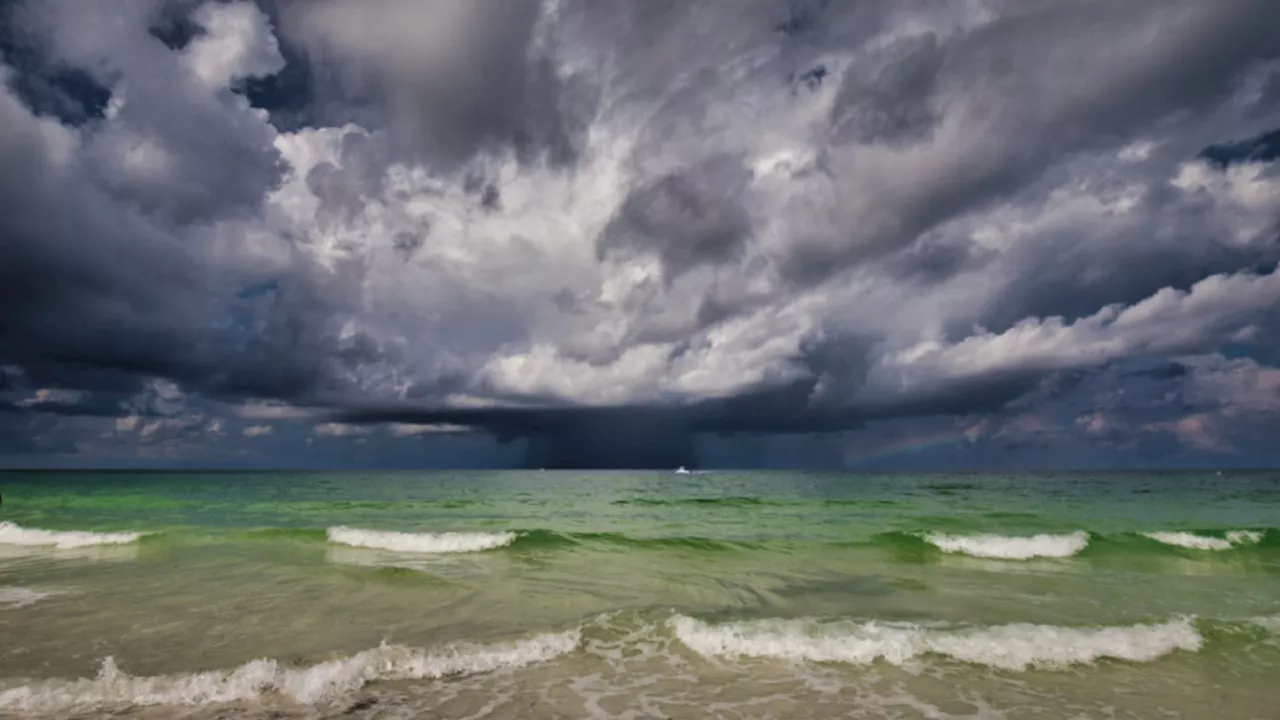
x: 682, y: 470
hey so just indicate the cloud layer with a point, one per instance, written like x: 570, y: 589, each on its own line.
x: 238, y: 231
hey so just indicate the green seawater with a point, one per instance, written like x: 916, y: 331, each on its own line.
x: 638, y: 595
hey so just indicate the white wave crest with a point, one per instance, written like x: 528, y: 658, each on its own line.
x: 1191, y: 541
x: 263, y: 678
x: 19, y: 597
x: 11, y: 534
x: 419, y: 542
x: 1002, y: 547
x: 1008, y: 647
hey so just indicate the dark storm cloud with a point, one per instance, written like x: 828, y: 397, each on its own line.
x: 1162, y: 371
x: 445, y: 79
x: 1078, y: 283
x: 47, y: 86
x: 1207, y: 406
x: 639, y: 437
x: 934, y: 261
x: 174, y: 25
x: 50, y: 277
x: 858, y: 213
x: 106, y: 279
x: 198, y: 166
x: 73, y: 409
x: 1024, y: 71
x: 22, y: 438
x: 891, y: 102
x: 664, y: 437
x: 687, y: 218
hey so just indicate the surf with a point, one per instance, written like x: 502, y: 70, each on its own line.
x: 1014, y: 647
x: 1011, y: 547
x: 1195, y: 541
x: 264, y: 678
x: 1014, y: 547
x: 426, y: 543
x: 13, y: 534
x: 511, y: 540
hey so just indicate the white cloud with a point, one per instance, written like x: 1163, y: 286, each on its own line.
x: 237, y: 43
x: 341, y: 430
x: 412, y: 430
x: 257, y: 431
x: 271, y: 410
x: 1169, y: 322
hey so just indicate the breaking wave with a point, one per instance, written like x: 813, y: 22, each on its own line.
x: 913, y: 545
x: 264, y: 678
x: 1003, y: 547
x: 1193, y: 541
x: 1012, y: 647
x: 461, y: 542
x: 1008, y: 647
x: 11, y: 534
x: 433, y: 543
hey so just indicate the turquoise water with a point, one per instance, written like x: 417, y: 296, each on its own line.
x: 559, y: 594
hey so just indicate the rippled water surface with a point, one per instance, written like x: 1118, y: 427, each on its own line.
x: 640, y: 595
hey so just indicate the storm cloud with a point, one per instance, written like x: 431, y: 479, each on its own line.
x: 576, y: 234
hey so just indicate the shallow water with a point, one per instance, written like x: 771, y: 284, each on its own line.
x: 639, y: 595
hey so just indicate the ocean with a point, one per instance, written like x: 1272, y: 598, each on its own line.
x: 640, y: 595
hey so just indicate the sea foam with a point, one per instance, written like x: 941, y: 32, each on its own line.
x: 1191, y: 541
x: 1008, y: 647
x: 18, y: 597
x: 11, y: 534
x: 1002, y: 547
x: 419, y: 542
x: 262, y: 679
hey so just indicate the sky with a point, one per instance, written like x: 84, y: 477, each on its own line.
x: 865, y: 234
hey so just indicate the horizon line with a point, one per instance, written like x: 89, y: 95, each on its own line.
x: 850, y: 471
